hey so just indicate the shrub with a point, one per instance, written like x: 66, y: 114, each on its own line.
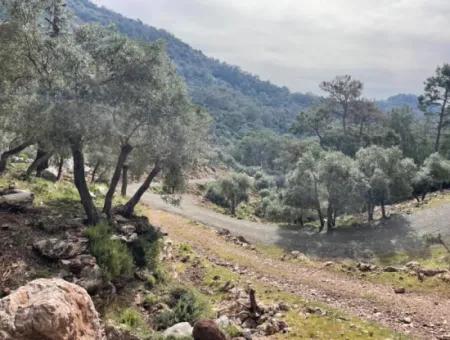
x: 215, y: 195
x: 112, y: 255
x: 130, y: 318
x: 264, y: 193
x: 146, y: 248
x: 186, y: 306
x: 263, y: 182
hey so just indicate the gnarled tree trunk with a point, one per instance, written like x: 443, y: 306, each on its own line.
x: 5, y: 156
x: 60, y: 174
x: 123, y: 190
x: 76, y: 147
x: 128, y: 209
x: 40, y: 163
x: 124, y: 152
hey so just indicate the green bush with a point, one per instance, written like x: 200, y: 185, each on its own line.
x: 265, y: 193
x: 130, y: 318
x: 112, y: 255
x: 186, y: 306
x: 263, y: 182
x: 215, y: 195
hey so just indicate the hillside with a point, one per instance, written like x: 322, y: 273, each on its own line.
x: 237, y: 100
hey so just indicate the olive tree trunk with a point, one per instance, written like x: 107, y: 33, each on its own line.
x: 128, y: 209
x: 79, y: 174
x: 123, y: 190
x: 39, y: 164
x: 123, y: 155
x: 60, y: 174
x: 5, y: 155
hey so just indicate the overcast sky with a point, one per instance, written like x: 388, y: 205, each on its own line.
x: 391, y: 45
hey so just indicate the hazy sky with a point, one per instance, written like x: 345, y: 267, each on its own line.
x: 391, y: 45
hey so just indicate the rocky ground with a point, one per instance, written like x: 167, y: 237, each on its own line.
x: 425, y: 315
x: 236, y: 288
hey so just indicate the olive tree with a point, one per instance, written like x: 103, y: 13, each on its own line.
x: 389, y: 176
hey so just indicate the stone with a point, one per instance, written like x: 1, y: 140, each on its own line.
x: 90, y: 278
x: 51, y: 309
x: 16, y: 199
x: 366, y: 267
x: 250, y: 323
x: 406, y: 320
x: 207, y: 330
x: 412, y: 265
x: 56, y: 249
x: 283, y: 307
x: 121, y: 219
x: 125, y: 238
x: 247, y: 334
x: 128, y: 229
x: 223, y: 321
x: 399, y: 290
x: 77, y: 264
x: 179, y: 330
x: 390, y: 269
x: 49, y: 176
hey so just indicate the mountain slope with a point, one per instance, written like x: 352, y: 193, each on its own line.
x: 237, y: 100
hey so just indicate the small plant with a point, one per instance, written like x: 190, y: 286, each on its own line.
x: 112, y: 255
x: 151, y: 281
x: 131, y: 318
x: 186, y: 306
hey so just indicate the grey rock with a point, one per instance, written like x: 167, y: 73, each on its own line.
x: 180, y: 330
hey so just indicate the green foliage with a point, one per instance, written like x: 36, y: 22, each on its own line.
x: 112, y: 255
x: 438, y: 168
x: 229, y: 192
x: 186, y: 306
x: 238, y: 101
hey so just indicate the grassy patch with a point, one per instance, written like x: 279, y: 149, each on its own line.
x: 131, y: 320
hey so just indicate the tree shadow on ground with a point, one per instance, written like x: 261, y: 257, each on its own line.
x: 360, y: 242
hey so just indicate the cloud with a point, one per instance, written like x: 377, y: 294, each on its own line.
x: 392, y: 45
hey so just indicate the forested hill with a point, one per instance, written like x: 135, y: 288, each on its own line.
x: 236, y: 99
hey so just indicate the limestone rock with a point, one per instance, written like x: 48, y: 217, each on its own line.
x: 56, y: 249
x: 50, y: 309
x: 180, y: 330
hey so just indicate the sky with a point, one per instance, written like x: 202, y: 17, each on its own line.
x: 390, y: 45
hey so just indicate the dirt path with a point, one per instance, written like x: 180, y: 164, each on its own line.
x: 424, y: 316
x: 400, y: 233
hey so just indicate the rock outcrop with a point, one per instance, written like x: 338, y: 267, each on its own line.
x: 50, y: 309
x: 57, y: 249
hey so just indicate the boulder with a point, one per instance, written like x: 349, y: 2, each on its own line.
x: 366, y: 267
x: 16, y: 199
x: 207, y: 330
x: 179, y: 330
x: 90, y: 278
x: 49, y: 176
x: 51, y: 309
x: 57, y: 249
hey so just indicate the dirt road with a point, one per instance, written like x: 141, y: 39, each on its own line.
x: 425, y: 316
x: 401, y: 232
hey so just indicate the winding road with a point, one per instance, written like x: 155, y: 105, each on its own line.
x: 401, y: 232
